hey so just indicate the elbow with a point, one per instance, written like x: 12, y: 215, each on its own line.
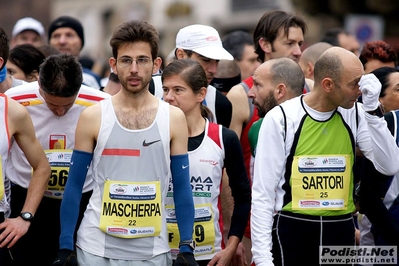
x: 389, y: 170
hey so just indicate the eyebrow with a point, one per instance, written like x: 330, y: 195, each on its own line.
x: 354, y: 82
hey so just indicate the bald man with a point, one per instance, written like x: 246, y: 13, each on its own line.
x: 303, y: 176
x: 275, y: 81
x: 309, y: 57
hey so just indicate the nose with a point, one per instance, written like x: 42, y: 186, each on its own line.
x: 297, y: 50
x: 62, y: 39
x: 213, y: 65
x: 60, y: 111
x: 167, y: 96
x: 359, y: 92
x: 134, y: 67
x: 251, y: 93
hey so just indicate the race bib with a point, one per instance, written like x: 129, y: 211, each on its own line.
x: 131, y: 209
x: 59, y: 161
x: 321, y: 182
x: 204, y: 230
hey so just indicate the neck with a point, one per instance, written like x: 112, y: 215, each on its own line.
x: 6, y: 84
x: 134, y: 101
x: 319, y: 102
x: 112, y: 89
x: 195, y: 124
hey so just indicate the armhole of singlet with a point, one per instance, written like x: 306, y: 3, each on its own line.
x: 213, y: 133
x: 285, y: 121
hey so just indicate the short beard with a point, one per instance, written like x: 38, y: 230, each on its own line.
x: 269, y: 103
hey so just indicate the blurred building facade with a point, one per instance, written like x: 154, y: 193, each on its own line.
x: 367, y: 19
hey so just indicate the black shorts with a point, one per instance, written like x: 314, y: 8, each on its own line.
x: 297, y: 237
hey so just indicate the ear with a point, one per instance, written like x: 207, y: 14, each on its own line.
x: 157, y: 65
x: 180, y: 54
x: 280, y: 92
x: 265, y: 45
x: 33, y: 76
x: 327, y: 84
x: 201, y: 95
x: 310, y: 70
x: 112, y: 63
x: 1, y: 62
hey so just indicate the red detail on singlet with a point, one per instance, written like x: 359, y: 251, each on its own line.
x: 213, y: 133
x: 246, y: 148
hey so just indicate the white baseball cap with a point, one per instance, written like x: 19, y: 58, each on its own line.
x: 28, y: 23
x: 203, y: 40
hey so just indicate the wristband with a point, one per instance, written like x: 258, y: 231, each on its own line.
x: 377, y: 112
x: 189, y: 243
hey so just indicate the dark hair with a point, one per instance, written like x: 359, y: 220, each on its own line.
x: 235, y: 41
x: 189, y: 53
x: 67, y: 22
x: 379, y: 50
x: 287, y: 71
x: 48, y: 50
x: 135, y: 31
x: 113, y: 77
x: 61, y: 75
x: 383, y: 74
x: 86, y: 62
x: 331, y: 36
x: 27, y: 57
x: 4, y: 47
x: 193, y: 74
x: 328, y: 65
x: 269, y: 27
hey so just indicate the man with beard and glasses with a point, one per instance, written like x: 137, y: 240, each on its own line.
x: 130, y: 142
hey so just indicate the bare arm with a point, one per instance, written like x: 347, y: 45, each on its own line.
x: 87, y: 129
x: 239, y: 100
x: 21, y: 127
x: 178, y: 134
x: 240, y: 115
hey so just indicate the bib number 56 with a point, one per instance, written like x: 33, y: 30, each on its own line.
x: 58, y: 177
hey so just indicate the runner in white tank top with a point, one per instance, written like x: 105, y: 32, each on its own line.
x: 135, y: 151
x: 16, y: 124
x: 54, y: 105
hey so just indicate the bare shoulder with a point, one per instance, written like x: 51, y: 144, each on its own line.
x: 90, y: 118
x: 241, y: 108
x: 92, y: 111
x: 237, y: 93
x: 20, y: 124
x: 17, y: 115
x: 178, y: 131
x: 176, y: 114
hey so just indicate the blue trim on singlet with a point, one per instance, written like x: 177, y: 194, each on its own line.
x: 397, y: 128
